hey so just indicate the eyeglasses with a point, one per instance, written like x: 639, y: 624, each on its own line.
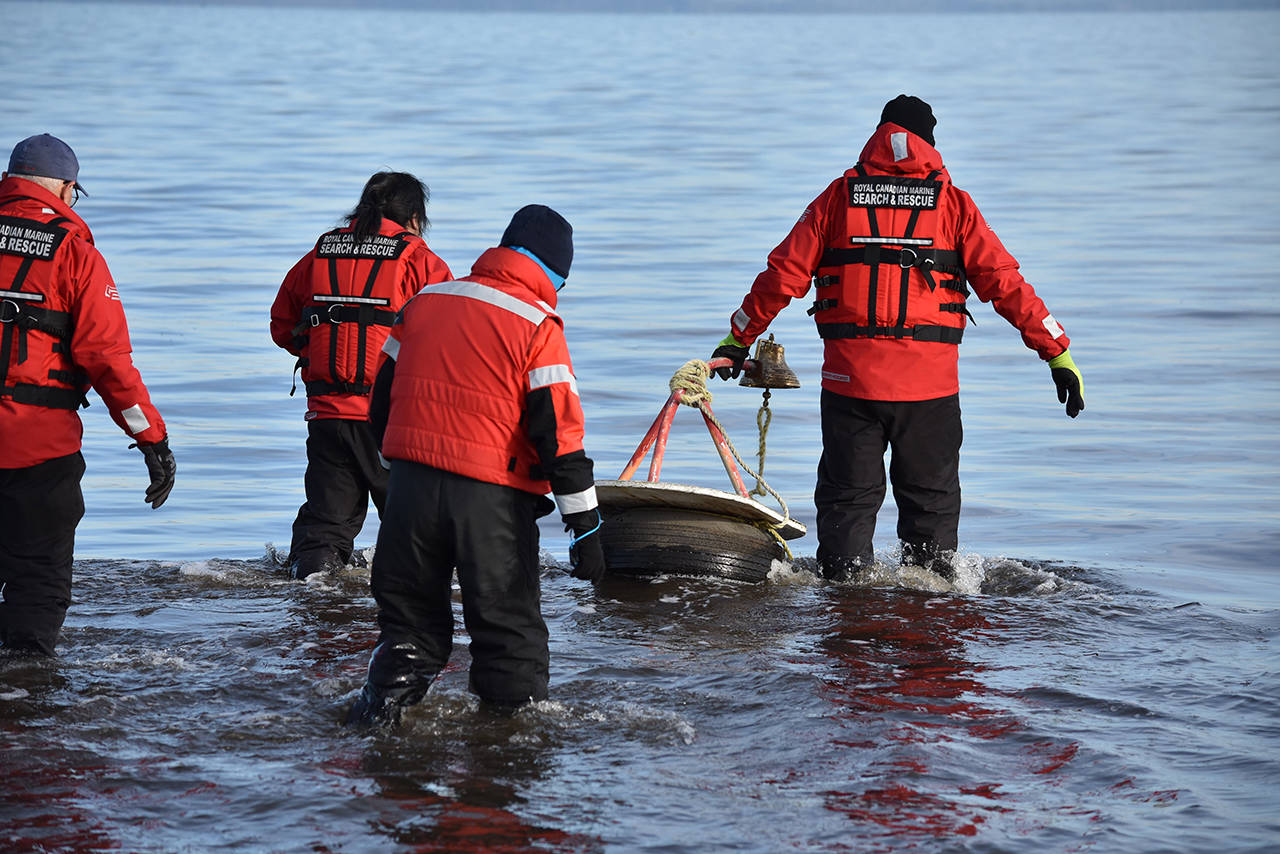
x: 75, y: 192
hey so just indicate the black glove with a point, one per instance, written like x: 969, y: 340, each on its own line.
x: 586, y: 554
x: 1069, y: 382
x: 162, y: 468
x: 729, y: 348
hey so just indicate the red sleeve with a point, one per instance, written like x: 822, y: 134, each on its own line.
x: 287, y: 309
x: 423, y: 268
x: 790, y: 269
x: 993, y: 274
x: 100, y: 347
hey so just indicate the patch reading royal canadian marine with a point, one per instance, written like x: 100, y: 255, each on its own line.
x: 29, y: 239
x: 883, y: 191
x: 342, y: 244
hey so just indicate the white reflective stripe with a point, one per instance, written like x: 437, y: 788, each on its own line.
x: 577, y: 502
x: 899, y: 143
x: 492, y: 296
x: 900, y: 241
x: 740, y: 320
x: 550, y: 375
x: 391, y: 347
x: 549, y: 309
x: 135, y: 420
x: 22, y: 295
x: 829, y: 375
x: 366, y: 300
x: 1052, y: 325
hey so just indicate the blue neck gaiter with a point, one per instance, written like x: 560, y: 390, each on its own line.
x: 557, y: 281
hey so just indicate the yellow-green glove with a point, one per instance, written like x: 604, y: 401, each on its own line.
x: 732, y: 350
x: 1066, y: 376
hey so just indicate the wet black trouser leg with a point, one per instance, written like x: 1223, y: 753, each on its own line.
x: 435, y: 521
x: 40, y: 507
x: 925, y: 438
x: 343, y: 474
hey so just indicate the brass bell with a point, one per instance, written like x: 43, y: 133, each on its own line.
x: 769, y: 368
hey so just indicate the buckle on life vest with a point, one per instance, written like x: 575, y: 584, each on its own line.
x: 908, y: 258
x: 5, y: 306
x: 335, y: 318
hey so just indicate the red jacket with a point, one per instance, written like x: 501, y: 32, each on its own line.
x: 483, y: 384
x: 906, y: 350
x: 63, y: 331
x: 336, y: 305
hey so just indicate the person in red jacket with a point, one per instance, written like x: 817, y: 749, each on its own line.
x: 333, y: 312
x: 62, y: 331
x: 892, y: 248
x: 477, y: 409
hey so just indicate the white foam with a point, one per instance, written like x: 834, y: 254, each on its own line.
x: 15, y: 694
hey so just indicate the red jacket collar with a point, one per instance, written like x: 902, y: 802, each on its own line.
x: 509, y: 267
x: 911, y: 156
x: 19, y: 190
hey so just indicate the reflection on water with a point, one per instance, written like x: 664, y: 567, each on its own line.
x: 202, y: 701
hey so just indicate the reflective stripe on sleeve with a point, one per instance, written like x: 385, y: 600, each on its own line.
x: 550, y: 375
x: 135, y: 420
x: 577, y: 502
x: 1051, y: 326
x: 392, y: 347
x: 740, y: 320
x: 486, y: 294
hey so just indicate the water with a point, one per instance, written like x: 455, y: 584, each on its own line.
x: 1104, y: 680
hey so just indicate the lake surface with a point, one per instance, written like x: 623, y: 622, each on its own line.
x: 1104, y: 679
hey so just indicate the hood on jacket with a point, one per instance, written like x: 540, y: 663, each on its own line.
x: 507, y: 266
x: 27, y: 197
x: 895, y: 150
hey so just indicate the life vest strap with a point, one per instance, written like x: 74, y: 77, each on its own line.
x: 47, y: 396
x: 365, y: 315
x: 939, y: 334
x: 315, y: 388
x: 940, y: 260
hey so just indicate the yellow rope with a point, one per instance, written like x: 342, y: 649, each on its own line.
x: 691, y: 379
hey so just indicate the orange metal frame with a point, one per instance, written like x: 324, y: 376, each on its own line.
x: 656, y: 438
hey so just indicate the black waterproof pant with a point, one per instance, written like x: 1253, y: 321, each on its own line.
x: 343, y: 473
x: 924, y: 469
x: 40, y: 507
x: 436, y: 521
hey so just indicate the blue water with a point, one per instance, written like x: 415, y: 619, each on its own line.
x: 1104, y: 679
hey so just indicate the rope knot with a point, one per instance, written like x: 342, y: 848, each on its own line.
x: 691, y: 378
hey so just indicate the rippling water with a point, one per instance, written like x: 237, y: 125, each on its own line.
x: 1104, y: 678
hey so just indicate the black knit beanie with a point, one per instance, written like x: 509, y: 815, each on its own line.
x: 544, y: 233
x: 910, y: 112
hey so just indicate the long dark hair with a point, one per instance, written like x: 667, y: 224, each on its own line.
x: 398, y: 196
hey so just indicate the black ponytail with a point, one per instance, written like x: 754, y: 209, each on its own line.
x: 397, y: 196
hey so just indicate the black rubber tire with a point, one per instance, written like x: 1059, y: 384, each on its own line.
x: 647, y: 541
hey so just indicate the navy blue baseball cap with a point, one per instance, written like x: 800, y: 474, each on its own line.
x: 46, y: 156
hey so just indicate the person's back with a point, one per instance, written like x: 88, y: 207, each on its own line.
x: 476, y: 409
x: 333, y: 311
x: 892, y: 249
x: 62, y: 331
